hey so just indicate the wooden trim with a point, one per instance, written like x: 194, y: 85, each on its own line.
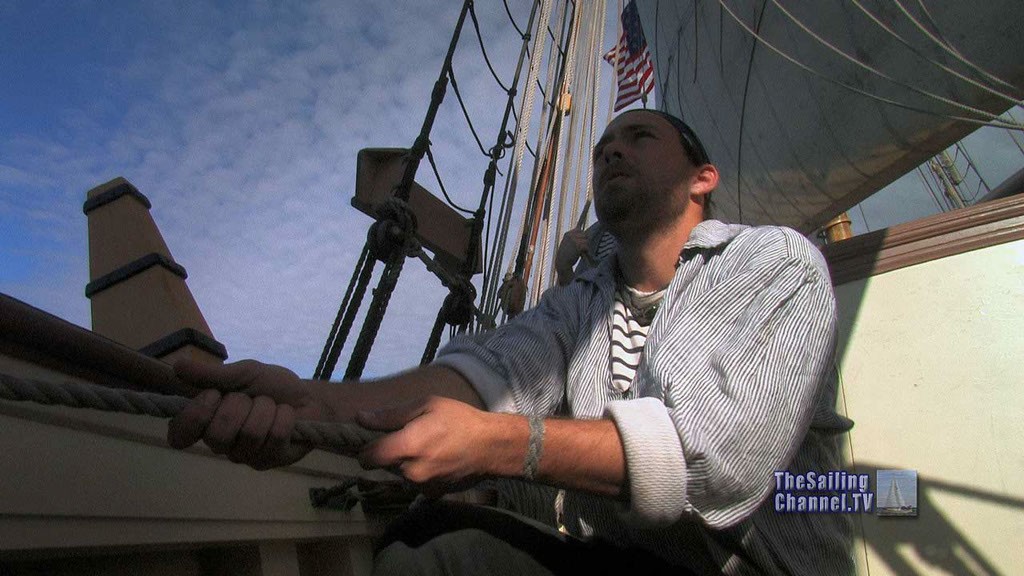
x: 926, y: 239
x: 132, y: 269
x: 118, y: 187
x: 36, y: 336
x: 185, y: 337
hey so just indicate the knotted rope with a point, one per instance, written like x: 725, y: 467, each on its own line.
x: 335, y: 437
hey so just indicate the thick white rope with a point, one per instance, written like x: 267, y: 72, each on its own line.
x: 343, y: 438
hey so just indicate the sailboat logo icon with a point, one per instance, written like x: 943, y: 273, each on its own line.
x: 897, y: 492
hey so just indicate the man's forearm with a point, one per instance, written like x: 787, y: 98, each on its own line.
x: 585, y: 455
x: 346, y: 398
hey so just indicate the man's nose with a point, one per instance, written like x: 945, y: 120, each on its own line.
x: 611, y: 151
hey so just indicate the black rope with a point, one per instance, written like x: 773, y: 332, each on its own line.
x: 480, y: 39
x: 435, y: 338
x: 743, y: 115
x: 513, y: 20
x: 458, y: 96
x: 696, y: 41
x: 516, y: 117
x: 350, y: 315
x: 332, y: 338
x: 551, y: 33
x: 433, y: 166
x: 375, y: 315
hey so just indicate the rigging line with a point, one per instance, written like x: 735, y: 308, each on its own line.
x: 925, y: 57
x: 516, y: 116
x: 332, y: 338
x: 743, y: 113
x: 364, y: 274
x: 437, y: 175
x: 945, y: 45
x: 458, y: 96
x: 879, y: 73
x: 570, y: 84
x: 1011, y: 134
x: 930, y: 189
x: 657, y: 27
x: 696, y: 41
x: 863, y: 217
x: 480, y: 39
x: 615, y: 66
x: 970, y: 162
x: 854, y: 89
x: 595, y: 97
x: 513, y: 20
x: 496, y: 153
x: 529, y: 97
x: 488, y: 296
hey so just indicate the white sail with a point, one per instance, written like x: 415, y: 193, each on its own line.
x: 836, y: 99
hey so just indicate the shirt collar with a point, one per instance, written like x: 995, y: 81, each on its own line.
x: 712, y: 234
x: 706, y: 235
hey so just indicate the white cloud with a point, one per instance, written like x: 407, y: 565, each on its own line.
x: 243, y: 129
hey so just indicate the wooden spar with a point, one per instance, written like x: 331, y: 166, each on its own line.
x: 559, y: 105
x: 542, y: 197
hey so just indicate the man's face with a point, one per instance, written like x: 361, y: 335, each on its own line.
x: 640, y: 172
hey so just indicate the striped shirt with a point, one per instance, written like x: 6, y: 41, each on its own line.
x: 629, y: 333
x: 735, y: 382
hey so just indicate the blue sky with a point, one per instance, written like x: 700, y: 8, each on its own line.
x: 241, y: 123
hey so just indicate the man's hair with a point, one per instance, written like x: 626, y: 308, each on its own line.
x: 693, y: 147
x: 688, y: 138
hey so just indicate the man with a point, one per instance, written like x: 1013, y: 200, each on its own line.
x: 685, y: 370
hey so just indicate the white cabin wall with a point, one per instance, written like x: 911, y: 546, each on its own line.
x: 930, y: 360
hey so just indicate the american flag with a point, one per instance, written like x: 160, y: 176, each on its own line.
x: 633, y: 66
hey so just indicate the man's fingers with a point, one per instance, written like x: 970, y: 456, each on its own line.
x: 388, y: 419
x: 253, y: 434
x: 387, y: 452
x: 226, y: 377
x: 231, y: 415
x: 188, y: 427
x: 391, y: 450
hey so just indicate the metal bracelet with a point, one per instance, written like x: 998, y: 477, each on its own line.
x: 534, y: 448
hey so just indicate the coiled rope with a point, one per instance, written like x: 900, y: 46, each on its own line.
x: 334, y: 437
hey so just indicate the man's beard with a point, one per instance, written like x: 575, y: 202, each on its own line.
x: 628, y: 213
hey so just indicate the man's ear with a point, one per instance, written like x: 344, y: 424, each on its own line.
x: 704, y: 181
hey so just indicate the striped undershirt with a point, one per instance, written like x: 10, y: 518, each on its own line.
x: 628, y: 334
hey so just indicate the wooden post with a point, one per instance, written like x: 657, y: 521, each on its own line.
x: 838, y: 229
x: 136, y: 290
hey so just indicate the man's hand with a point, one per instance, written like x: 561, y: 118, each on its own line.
x: 247, y: 411
x: 444, y: 445
x: 572, y: 246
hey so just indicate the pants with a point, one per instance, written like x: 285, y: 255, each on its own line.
x: 452, y: 538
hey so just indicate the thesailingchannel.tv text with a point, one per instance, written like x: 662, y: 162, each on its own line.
x: 834, y: 491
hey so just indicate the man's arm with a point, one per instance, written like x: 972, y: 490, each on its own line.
x: 444, y: 445
x: 248, y: 409
x: 441, y: 437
